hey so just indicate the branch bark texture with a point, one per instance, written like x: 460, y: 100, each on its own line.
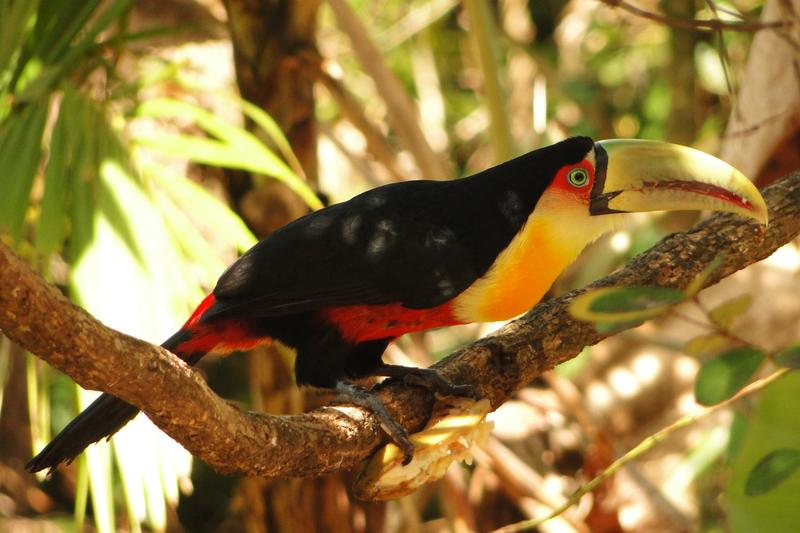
x: 177, y: 399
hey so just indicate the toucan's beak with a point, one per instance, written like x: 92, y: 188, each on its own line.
x: 638, y: 175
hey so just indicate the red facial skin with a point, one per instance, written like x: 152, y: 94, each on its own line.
x: 562, y: 183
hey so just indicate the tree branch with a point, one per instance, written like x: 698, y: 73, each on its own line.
x: 696, y: 24
x: 178, y: 400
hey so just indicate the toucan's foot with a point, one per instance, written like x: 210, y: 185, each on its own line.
x: 429, y: 379
x: 350, y: 393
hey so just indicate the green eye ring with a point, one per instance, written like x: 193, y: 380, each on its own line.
x: 578, y: 177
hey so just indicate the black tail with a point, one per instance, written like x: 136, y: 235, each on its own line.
x: 104, y: 417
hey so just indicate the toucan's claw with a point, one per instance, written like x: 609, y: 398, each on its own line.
x: 428, y: 379
x: 353, y: 394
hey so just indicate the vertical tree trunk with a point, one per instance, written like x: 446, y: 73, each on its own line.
x: 680, y: 73
x: 276, y: 65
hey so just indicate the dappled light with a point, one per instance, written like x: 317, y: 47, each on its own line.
x: 359, y: 180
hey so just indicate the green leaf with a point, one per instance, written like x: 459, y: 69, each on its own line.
x: 271, y: 128
x: 14, y: 20
x: 56, y: 65
x: 789, y: 357
x: 772, y: 424
x: 197, y: 149
x: 615, y: 327
x: 20, y: 152
x: 81, y: 217
x: 724, y: 314
x: 98, y: 463
x: 624, y: 304
x: 697, y: 284
x: 721, y: 377
x: 772, y: 470
x: 738, y: 429
x: 195, y: 199
x: 50, y: 228
x: 57, y: 23
x: 127, y: 271
x: 706, y: 344
x: 190, y: 240
x: 234, y: 147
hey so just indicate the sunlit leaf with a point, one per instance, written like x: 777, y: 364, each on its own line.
x: 706, y: 344
x: 190, y: 239
x: 151, y: 477
x: 789, y: 357
x: 701, y: 454
x: 57, y: 24
x: 772, y: 424
x: 615, y: 327
x: 724, y: 314
x: 51, y: 224
x: 38, y: 407
x: 738, y: 428
x: 772, y: 470
x: 234, y: 147
x: 235, y: 139
x: 20, y: 152
x: 721, y: 377
x: 14, y: 18
x: 624, y: 304
x: 129, y: 275
x: 137, y: 449
x: 81, y: 492
x: 697, y: 284
x: 271, y: 128
x: 114, y: 192
x: 98, y: 462
x: 61, y: 65
x: 195, y: 199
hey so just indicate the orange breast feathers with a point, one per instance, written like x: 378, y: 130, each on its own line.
x: 553, y: 236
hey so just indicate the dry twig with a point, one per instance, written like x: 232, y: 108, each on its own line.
x: 401, y: 109
x: 697, y: 24
x: 640, y: 449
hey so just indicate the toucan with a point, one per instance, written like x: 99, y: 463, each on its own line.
x: 341, y: 283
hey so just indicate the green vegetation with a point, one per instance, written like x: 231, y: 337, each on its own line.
x: 132, y: 174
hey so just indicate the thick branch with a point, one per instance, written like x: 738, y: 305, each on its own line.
x: 177, y: 399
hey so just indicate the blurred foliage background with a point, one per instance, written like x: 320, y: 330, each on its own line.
x: 144, y: 144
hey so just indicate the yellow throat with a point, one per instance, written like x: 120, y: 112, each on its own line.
x: 553, y: 236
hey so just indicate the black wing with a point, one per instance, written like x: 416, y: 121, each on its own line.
x: 376, y: 248
x: 417, y: 243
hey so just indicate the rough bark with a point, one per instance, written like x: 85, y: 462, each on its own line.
x: 331, y: 439
x: 277, y: 62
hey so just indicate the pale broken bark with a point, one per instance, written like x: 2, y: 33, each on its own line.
x: 176, y: 398
x: 767, y: 106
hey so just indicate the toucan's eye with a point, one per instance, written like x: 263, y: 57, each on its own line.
x: 578, y: 177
